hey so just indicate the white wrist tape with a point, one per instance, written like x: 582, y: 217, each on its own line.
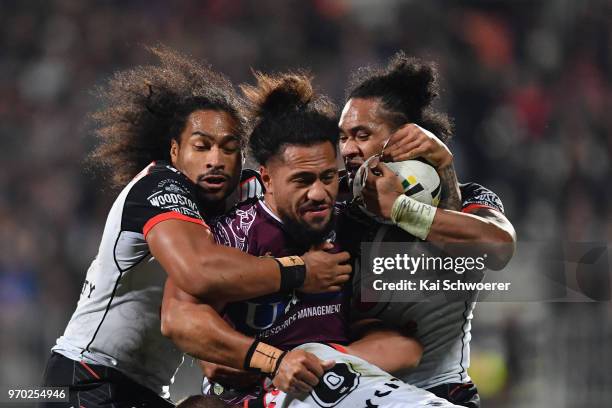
x: 413, y: 216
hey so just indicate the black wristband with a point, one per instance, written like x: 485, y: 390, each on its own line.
x: 249, y: 356
x: 292, y: 273
x: 278, y: 362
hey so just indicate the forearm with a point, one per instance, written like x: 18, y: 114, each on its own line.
x: 387, y: 349
x: 451, y: 194
x: 198, y: 330
x: 489, y: 235
x: 486, y: 230
x: 456, y: 227
x: 206, y: 270
x: 229, y: 275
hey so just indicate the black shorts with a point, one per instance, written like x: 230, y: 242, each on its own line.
x: 465, y: 394
x: 93, y: 386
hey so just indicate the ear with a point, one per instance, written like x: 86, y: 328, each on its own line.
x: 174, y: 151
x: 265, y: 177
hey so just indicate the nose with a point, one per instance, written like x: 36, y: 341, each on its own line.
x: 214, y: 158
x: 317, y: 192
x: 349, y: 149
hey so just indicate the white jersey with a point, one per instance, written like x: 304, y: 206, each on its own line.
x: 354, y: 382
x: 442, y: 327
x: 117, y: 320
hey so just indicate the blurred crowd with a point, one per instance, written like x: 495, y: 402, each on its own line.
x: 528, y: 83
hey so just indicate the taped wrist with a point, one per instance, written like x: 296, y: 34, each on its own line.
x: 262, y: 358
x: 292, y: 272
x: 413, y: 216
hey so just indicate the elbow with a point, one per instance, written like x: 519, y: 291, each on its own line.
x: 416, y: 355
x: 169, y: 318
x: 501, y: 250
x: 194, y: 278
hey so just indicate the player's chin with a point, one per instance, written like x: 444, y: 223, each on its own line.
x: 214, y: 195
x: 317, y: 220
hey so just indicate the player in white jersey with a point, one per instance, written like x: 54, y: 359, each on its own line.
x: 386, y: 113
x: 174, y: 134
x: 352, y: 382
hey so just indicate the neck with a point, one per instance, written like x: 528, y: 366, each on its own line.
x: 270, y: 203
x: 213, y: 209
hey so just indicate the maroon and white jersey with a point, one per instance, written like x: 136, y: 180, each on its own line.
x: 283, y: 320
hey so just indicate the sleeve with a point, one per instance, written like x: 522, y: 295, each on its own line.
x: 251, y: 185
x: 158, y: 197
x: 476, y: 196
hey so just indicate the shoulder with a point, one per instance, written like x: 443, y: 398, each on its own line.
x: 475, y: 195
x: 159, y: 192
x: 234, y: 227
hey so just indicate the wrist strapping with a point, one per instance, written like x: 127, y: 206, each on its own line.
x: 413, y: 216
x: 262, y: 358
x: 292, y: 272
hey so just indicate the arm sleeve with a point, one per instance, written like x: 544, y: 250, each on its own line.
x: 157, y: 197
x: 476, y: 196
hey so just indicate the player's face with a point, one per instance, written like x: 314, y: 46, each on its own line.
x: 208, y: 153
x: 363, y: 132
x: 302, y: 185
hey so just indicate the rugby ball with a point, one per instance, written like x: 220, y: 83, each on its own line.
x: 419, y: 179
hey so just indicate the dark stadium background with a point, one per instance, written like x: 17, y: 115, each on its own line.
x: 528, y: 83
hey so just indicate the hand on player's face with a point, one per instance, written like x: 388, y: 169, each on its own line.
x: 208, y: 153
x: 412, y: 141
x: 303, y: 184
x: 299, y: 372
x: 362, y: 133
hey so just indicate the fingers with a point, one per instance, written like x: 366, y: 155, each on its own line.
x: 327, y: 364
x: 314, y: 365
x: 380, y: 170
x: 403, y: 135
x: 399, y: 150
x: 310, y: 379
x: 299, y: 387
x: 324, y: 246
x: 344, y: 269
x: 342, y: 257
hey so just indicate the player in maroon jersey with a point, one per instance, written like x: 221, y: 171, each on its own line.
x: 173, y: 132
x: 294, y: 140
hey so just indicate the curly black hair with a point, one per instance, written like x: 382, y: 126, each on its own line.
x: 285, y: 110
x: 146, y: 107
x: 407, y: 88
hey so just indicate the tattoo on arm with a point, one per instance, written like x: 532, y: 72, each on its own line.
x: 451, y: 195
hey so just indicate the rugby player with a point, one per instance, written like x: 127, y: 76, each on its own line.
x: 389, y: 113
x: 174, y: 132
x: 294, y: 141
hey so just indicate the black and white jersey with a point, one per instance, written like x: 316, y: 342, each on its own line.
x: 353, y: 382
x: 117, y: 319
x: 443, y: 327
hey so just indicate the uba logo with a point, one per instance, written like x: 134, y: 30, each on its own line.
x: 252, y: 317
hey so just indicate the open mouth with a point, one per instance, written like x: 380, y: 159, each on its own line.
x: 316, y: 211
x: 213, y: 182
x: 352, y: 167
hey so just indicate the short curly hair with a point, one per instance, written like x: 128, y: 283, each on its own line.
x: 146, y: 107
x: 407, y: 88
x: 285, y: 110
